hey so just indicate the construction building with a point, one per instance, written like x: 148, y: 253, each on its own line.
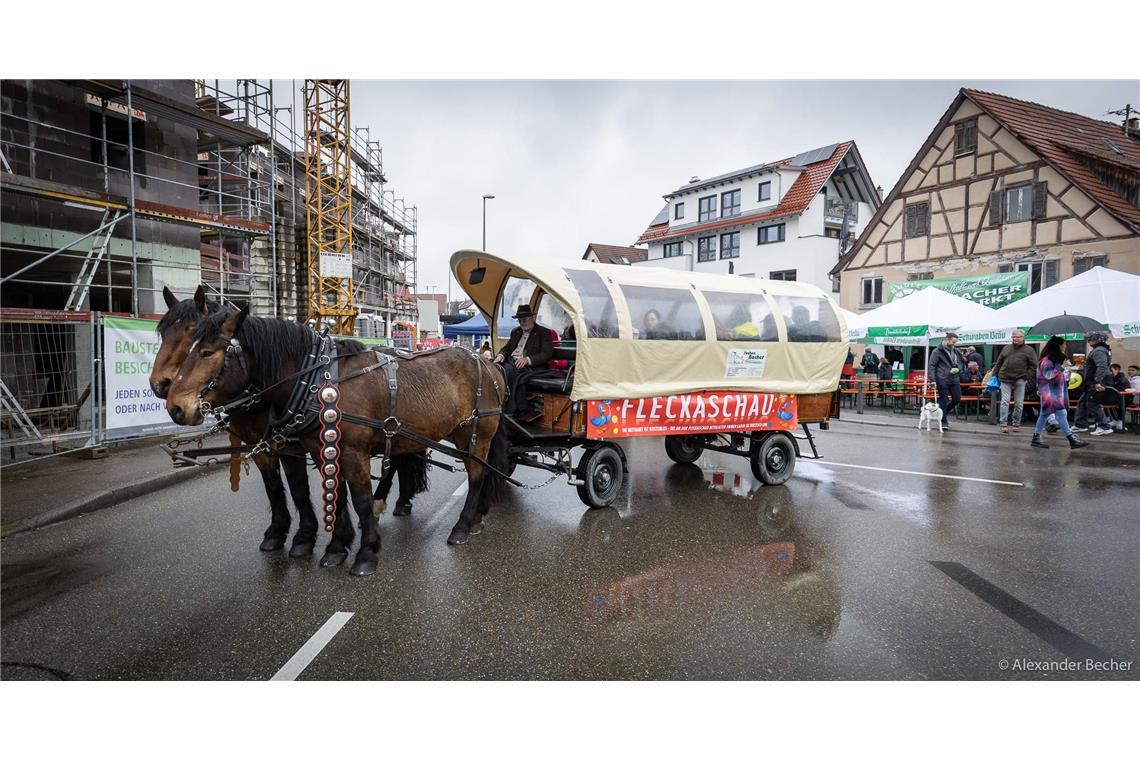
x: 111, y: 190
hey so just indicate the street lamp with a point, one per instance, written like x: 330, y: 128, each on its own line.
x: 485, y: 199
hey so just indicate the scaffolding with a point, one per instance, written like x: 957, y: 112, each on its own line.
x: 113, y: 189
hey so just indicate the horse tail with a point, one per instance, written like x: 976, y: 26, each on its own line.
x: 494, y: 481
x: 413, y: 469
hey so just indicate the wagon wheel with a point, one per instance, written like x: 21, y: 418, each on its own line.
x: 602, y: 472
x: 773, y: 459
x: 683, y: 449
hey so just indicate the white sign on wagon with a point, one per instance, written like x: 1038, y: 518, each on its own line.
x: 745, y: 362
x: 336, y: 264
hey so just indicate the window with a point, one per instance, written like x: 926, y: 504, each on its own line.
x: 831, y: 232
x: 597, y: 305
x: 678, y: 210
x: 1042, y: 274
x: 965, y: 137
x: 674, y: 249
x: 1088, y: 262
x: 872, y: 291
x: 773, y: 233
x: 742, y: 316
x: 917, y: 220
x: 787, y: 275
x: 912, y: 276
x: 834, y: 284
x: 808, y: 319
x: 730, y: 204
x: 117, y: 141
x: 552, y: 315
x: 516, y: 292
x: 765, y: 192
x: 706, y: 248
x: 730, y: 245
x: 1016, y: 204
x: 707, y: 209
x: 663, y: 313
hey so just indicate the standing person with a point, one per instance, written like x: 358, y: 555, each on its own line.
x: 1097, y: 376
x: 869, y: 362
x: 1054, y: 393
x: 1015, y: 364
x: 885, y: 371
x: 972, y: 355
x: 946, y: 365
x: 528, y: 349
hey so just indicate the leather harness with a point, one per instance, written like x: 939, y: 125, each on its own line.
x: 315, y: 401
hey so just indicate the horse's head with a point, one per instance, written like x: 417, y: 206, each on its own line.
x: 215, y: 369
x: 175, y: 331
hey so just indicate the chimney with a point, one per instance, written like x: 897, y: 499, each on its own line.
x: 694, y: 179
x: 1133, y: 126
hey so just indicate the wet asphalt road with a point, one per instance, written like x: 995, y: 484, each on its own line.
x: 697, y: 574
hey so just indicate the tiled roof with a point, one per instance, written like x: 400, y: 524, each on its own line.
x: 613, y: 254
x: 794, y: 202
x: 1053, y: 134
x: 1060, y: 137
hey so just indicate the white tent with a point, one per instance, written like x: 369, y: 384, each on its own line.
x: 1105, y: 295
x: 913, y: 320
x: 852, y: 319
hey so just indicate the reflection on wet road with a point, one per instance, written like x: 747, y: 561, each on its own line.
x: 698, y: 572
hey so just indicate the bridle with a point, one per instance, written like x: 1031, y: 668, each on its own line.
x: 234, y: 348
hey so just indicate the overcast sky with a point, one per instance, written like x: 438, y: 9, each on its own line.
x: 572, y: 163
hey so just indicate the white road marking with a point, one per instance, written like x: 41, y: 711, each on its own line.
x: 306, y: 654
x: 916, y: 472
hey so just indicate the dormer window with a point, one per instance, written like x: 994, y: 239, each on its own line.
x: 678, y: 210
x: 730, y: 204
x: 707, y: 208
x: 765, y: 192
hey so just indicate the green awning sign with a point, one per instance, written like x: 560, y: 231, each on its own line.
x: 993, y: 290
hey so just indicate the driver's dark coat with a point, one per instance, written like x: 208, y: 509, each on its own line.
x: 539, y: 346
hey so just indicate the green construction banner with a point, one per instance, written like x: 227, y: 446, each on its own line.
x: 993, y: 290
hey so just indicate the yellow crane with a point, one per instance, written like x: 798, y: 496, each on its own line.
x: 328, y: 193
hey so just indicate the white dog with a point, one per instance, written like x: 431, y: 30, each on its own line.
x: 931, y: 412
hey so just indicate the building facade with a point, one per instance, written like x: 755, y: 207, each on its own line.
x: 1002, y: 185
x: 782, y: 220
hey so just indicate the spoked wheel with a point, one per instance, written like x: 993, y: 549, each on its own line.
x: 773, y: 459
x: 602, y: 471
x: 683, y: 449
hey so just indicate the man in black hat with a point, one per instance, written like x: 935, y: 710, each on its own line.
x: 529, y: 349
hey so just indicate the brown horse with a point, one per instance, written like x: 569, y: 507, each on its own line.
x: 437, y: 396
x: 176, y: 331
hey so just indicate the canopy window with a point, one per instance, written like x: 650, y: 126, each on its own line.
x: 809, y: 319
x: 663, y: 313
x: 552, y: 315
x: 598, y: 310
x: 742, y: 316
x: 516, y: 292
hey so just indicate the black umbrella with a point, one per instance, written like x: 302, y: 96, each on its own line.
x: 1067, y: 324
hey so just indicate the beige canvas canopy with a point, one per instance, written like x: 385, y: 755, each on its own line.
x: 646, y: 331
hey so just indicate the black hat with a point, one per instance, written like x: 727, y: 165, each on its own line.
x: 523, y: 310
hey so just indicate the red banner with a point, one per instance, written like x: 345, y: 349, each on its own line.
x: 691, y: 413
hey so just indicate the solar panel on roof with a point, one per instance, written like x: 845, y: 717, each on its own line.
x: 814, y: 156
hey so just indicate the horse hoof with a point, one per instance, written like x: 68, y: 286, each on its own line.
x: 378, y: 507
x: 272, y: 544
x: 363, y: 566
x: 477, y: 528
x: 458, y: 537
x: 301, y: 550
x: 403, y: 509
x: 333, y: 559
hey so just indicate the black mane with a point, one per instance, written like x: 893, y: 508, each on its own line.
x: 273, y: 345
x: 187, y: 310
